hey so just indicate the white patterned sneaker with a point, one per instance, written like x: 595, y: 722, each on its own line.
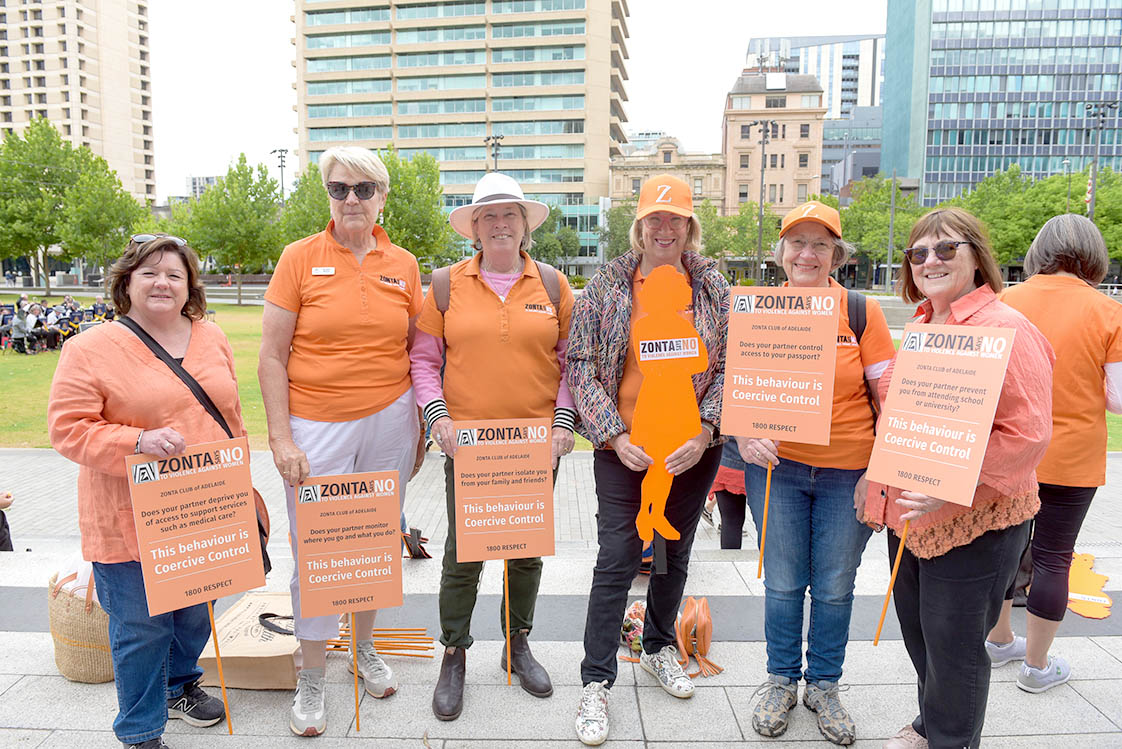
x: 309, y: 711
x: 1037, y: 680
x: 592, y: 714
x: 1010, y: 651
x: 664, y: 666
x: 376, y: 675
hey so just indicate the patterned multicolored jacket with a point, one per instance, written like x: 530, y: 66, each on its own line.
x: 600, y: 333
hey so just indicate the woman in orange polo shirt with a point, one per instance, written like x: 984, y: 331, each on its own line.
x: 815, y: 539
x: 334, y: 370
x: 1067, y: 260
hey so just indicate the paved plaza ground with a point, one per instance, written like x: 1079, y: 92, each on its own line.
x: 39, y: 708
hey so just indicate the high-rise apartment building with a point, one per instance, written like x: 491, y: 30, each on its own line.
x: 976, y: 86
x: 439, y: 76
x: 83, y: 65
x: 849, y: 68
x: 196, y: 186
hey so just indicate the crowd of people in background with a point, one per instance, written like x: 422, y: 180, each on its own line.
x: 28, y: 327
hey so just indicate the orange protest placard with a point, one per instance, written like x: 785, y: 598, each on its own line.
x: 504, y: 489
x: 348, y: 543
x: 937, y: 417
x: 779, y: 365
x: 196, y: 525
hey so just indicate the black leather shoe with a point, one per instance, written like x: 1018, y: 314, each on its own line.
x: 531, y: 674
x: 448, y: 697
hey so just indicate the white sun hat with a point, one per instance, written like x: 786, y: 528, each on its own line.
x: 496, y: 188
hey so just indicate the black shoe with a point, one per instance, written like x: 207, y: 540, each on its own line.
x: 531, y: 674
x: 196, y: 707
x: 156, y: 743
x: 448, y: 697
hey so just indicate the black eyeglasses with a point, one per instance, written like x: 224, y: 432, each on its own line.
x: 944, y: 250
x: 363, y: 190
x: 142, y: 238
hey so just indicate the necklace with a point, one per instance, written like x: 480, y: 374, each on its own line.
x: 489, y: 268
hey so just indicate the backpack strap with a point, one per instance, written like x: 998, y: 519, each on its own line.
x: 856, y: 303
x: 441, y: 283
x: 551, y: 283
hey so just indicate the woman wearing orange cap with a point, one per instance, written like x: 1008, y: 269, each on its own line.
x: 605, y: 380
x: 815, y: 539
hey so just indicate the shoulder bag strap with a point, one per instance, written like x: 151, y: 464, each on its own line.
x: 442, y: 287
x: 193, y: 385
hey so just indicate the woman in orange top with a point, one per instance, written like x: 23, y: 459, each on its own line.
x: 1067, y: 260
x: 110, y: 398
x: 959, y: 561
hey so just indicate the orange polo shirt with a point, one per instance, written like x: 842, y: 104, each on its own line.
x: 500, y: 356
x: 1084, y: 327
x: 851, y: 425
x: 350, y: 353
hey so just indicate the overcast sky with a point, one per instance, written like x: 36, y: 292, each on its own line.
x: 222, y: 72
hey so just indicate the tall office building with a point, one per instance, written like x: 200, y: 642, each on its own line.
x: 850, y: 149
x: 975, y: 86
x: 83, y: 65
x: 196, y: 186
x: 850, y: 68
x: 441, y: 75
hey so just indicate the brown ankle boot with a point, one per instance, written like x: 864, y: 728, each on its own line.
x: 448, y: 697
x: 531, y: 674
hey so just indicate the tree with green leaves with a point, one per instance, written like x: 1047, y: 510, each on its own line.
x: 98, y: 215
x: 547, y: 242
x: 235, y: 220
x: 865, y: 220
x: 307, y: 210
x: 614, y: 231
x: 414, y: 215
x: 1001, y: 202
x: 1108, y: 209
x: 718, y: 237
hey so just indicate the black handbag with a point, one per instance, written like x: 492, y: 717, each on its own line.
x: 205, y: 401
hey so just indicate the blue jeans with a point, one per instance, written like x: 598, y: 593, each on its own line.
x: 154, y: 658
x: 815, y: 541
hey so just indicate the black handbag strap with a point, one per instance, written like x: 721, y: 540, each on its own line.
x: 191, y: 383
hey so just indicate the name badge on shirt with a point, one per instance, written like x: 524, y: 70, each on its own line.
x: 326, y: 270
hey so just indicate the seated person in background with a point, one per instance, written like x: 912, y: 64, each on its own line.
x: 38, y: 329
x: 20, y: 331
x: 99, y: 307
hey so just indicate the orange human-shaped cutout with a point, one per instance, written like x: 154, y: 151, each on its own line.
x: 669, y: 352
x: 1085, y: 589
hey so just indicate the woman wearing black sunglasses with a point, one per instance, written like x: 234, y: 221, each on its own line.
x: 338, y: 396
x: 959, y: 561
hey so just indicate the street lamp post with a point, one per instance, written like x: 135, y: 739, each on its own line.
x: 281, y: 153
x: 494, y: 141
x: 1067, y: 171
x: 1100, y: 112
x: 765, y: 133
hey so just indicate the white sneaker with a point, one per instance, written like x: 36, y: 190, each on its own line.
x: 592, y: 715
x: 664, y: 666
x: 376, y: 675
x: 1010, y: 651
x: 309, y: 711
x: 906, y: 738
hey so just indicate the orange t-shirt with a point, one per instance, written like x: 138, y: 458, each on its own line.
x: 632, y: 378
x: 349, y: 350
x: 1084, y: 327
x: 851, y: 425
x: 500, y: 356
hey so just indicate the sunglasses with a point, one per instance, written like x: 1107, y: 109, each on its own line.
x: 944, y: 250
x: 363, y: 190
x: 142, y: 238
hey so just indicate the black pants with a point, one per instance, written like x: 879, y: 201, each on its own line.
x: 946, y: 607
x: 1062, y: 510
x: 618, y: 490
x: 5, y: 533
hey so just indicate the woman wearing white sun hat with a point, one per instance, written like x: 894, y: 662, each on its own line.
x: 498, y: 322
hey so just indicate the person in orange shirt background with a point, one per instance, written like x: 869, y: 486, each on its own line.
x: 816, y: 539
x: 1067, y: 260
x: 339, y: 320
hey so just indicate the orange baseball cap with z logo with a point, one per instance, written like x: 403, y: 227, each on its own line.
x: 816, y: 212
x: 665, y: 193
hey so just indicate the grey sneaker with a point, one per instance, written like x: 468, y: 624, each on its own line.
x: 309, y: 712
x: 592, y: 714
x: 664, y: 666
x: 906, y: 738
x: 833, y: 719
x: 1010, y: 651
x: 780, y: 695
x: 1036, y: 680
x: 376, y: 675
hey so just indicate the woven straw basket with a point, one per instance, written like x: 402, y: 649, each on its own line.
x: 80, y: 630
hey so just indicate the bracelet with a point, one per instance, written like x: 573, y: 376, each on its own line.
x: 136, y: 450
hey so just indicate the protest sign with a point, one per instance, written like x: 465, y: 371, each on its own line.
x: 779, y: 365
x: 196, y: 525
x: 504, y: 489
x: 348, y: 543
x: 936, y: 420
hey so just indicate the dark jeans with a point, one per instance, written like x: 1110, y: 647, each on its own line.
x: 618, y: 496
x: 5, y: 532
x: 946, y: 607
x: 459, y: 583
x: 1062, y: 510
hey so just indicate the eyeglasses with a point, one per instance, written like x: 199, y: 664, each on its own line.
x: 653, y: 222
x: 944, y: 250
x: 363, y: 190
x: 142, y: 238
x: 819, y: 246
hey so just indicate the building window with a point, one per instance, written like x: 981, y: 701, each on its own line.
x: 782, y: 161
x: 635, y: 185
x: 774, y: 161
x: 771, y: 194
x: 804, y: 131
x: 804, y: 160
x: 781, y: 194
x: 697, y: 185
x: 743, y: 195
x: 783, y: 132
x: 744, y: 161
x: 666, y: 157
x: 745, y: 132
x: 775, y: 102
x: 802, y: 193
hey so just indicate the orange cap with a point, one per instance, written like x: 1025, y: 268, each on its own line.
x: 665, y: 193
x: 819, y: 213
